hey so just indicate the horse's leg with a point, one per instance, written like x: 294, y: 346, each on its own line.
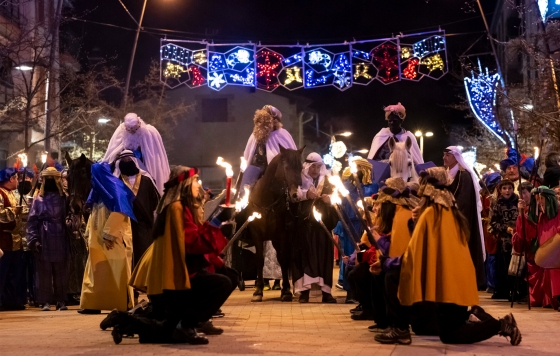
x: 283, y: 254
x: 259, y: 282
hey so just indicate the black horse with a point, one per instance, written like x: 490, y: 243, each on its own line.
x: 271, y: 197
x: 79, y: 184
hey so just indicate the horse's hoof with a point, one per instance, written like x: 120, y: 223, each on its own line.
x: 241, y: 285
x: 286, y: 297
x: 257, y: 298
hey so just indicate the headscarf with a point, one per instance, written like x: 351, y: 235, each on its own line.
x: 311, y: 159
x: 434, y: 187
x: 396, y: 192
x: 129, y: 153
x: 179, y: 178
x: 398, y: 110
x: 52, y: 173
x: 7, y: 173
x: 363, y: 166
x: 550, y: 206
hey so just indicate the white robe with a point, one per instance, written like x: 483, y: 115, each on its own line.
x: 384, y: 134
x: 278, y: 137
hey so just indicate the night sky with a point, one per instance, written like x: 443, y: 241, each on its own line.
x: 286, y: 22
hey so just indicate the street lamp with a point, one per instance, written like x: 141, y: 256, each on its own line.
x: 362, y: 151
x: 421, y: 135
x: 103, y: 120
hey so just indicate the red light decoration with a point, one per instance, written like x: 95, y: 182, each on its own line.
x: 198, y: 78
x: 410, y: 72
x: 386, y: 58
x: 268, y: 67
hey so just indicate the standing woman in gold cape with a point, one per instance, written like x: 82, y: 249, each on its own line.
x: 437, y: 268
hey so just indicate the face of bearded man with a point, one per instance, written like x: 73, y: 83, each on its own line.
x: 512, y: 173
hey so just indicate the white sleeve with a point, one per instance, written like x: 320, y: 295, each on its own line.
x: 250, y: 149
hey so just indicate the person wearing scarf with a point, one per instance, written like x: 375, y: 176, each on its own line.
x: 545, y: 282
x: 463, y: 183
x: 437, y: 268
x: 313, y: 251
x: 46, y: 237
x: 174, y: 271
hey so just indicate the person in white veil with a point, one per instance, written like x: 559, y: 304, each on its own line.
x: 466, y: 189
x: 134, y: 134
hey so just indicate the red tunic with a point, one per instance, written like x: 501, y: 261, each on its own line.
x: 544, y: 283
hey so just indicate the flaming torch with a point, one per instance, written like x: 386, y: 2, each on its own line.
x: 335, y: 200
x: 318, y: 216
x: 229, y: 174
x: 238, y: 233
x: 354, y: 170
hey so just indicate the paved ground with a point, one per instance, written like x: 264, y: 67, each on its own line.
x: 271, y: 328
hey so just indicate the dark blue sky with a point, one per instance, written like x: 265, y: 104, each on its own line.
x: 312, y: 21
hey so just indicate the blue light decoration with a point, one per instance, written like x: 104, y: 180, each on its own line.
x: 481, y: 91
x: 341, y: 65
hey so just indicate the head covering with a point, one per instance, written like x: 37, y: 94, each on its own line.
x: 52, y: 173
x: 396, y: 192
x: 363, y: 166
x: 551, y: 204
x: 133, y: 134
x: 28, y: 172
x: 179, y: 178
x: 434, y: 187
x: 129, y: 153
x: 6, y: 174
x: 274, y: 112
x: 492, y: 179
x: 398, y: 110
x: 311, y: 159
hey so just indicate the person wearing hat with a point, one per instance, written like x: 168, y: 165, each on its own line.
x: 515, y: 165
x: 135, y: 135
x: 12, y: 271
x: 313, y: 251
x: 437, y: 268
x: 46, y: 237
x: 380, y: 151
x: 466, y: 190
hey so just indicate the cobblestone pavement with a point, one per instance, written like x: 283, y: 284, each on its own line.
x: 271, y: 328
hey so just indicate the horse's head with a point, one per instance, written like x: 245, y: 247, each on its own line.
x: 400, y: 160
x: 79, y: 182
x: 288, y: 170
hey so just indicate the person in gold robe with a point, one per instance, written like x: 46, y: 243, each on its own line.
x: 437, y: 268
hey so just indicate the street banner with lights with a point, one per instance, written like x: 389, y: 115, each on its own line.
x: 341, y: 65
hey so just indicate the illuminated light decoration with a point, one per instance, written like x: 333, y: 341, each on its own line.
x: 239, y: 56
x: 411, y: 71
x: 175, y: 53
x: 428, y: 46
x: 174, y: 70
x: 199, y: 57
x: 328, y: 159
x: 362, y: 70
x: 247, y: 80
x: 336, y: 166
x: 385, y: 58
x: 338, y: 149
x: 293, y: 75
x: 197, y: 77
x: 216, y: 62
x: 216, y: 80
x: 296, y: 58
x: 342, y: 70
x: 543, y: 8
x: 481, y: 93
x: 361, y: 54
x: 269, y: 64
x: 406, y: 52
x: 434, y: 62
x: 312, y: 81
x: 319, y: 58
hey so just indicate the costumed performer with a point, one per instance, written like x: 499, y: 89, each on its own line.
x: 437, y: 268
x: 174, y: 269
x: 313, y: 251
x: 46, y: 237
x: 466, y: 190
x: 109, y: 233
x: 380, y: 151
x: 135, y: 135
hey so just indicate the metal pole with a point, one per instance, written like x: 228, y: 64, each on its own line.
x: 51, y: 81
x: 127, y: 83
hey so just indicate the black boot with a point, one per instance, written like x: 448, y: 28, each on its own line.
x: 110, y: 320
x: 189, y: 336
x: 208, y: 328
x: 328, y: 298
x: 304, y: 296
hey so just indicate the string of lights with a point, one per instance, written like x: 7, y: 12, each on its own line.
x: 340, y: 65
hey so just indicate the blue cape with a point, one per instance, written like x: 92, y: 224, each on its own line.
x: 110, y: 190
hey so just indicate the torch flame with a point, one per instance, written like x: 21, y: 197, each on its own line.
x: 337, y: 183
x: 227, y: 166
x: 335, y: 198
x: 243, y: 165
x: 23, y: 158
x: 317, y: 214
x: 353, y: 167
x: 254, y: 216
x: 243, y: 202
x: 360, y: 204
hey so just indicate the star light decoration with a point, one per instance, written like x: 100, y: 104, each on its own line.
x: 481, y: 93
x: 269, y: 65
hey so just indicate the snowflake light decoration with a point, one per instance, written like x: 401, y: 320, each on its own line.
x: 216, y: 80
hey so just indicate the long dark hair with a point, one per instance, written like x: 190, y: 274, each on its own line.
x: 385, y: 217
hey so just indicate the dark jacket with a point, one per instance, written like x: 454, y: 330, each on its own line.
x: 504, y: 215
x: 46, y: 226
